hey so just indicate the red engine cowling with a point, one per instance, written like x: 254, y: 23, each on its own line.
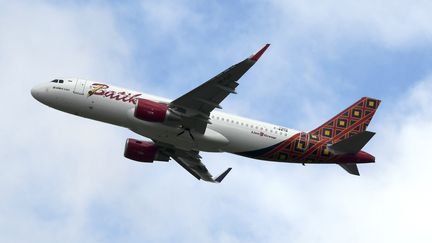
x: 143, y: 151
x: 151, y: 111
x: 148, y: 110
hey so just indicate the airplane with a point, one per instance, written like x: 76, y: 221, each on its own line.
x: 180, y: 129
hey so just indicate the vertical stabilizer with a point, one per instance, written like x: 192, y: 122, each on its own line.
x: 351, y: 121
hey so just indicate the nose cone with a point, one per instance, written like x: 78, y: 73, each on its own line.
x: 37, y: 92
x: 34, y: 92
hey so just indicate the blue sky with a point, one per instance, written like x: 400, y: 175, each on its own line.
x: 64, y: 178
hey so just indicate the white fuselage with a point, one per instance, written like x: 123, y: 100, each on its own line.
x: 225, y: 133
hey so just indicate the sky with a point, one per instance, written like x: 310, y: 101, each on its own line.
x: 64, y: 178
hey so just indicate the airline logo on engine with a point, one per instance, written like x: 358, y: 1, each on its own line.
x: 104, y: 91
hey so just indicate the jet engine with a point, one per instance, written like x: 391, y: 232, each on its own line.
x: 143, y: 151
x: 151, y: 111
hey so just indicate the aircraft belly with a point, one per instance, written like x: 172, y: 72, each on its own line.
x: 241, y: 140
x: 210, y: 141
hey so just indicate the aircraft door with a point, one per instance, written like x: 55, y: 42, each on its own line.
x: 79, y: 86
x: 302, y: 142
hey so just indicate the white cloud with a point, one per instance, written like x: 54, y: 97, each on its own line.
x: 46, y: 178
x: 394, y: 23
x: 169, y: 17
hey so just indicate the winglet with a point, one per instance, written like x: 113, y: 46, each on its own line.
x: 257, y: 55
x: 222, y: 176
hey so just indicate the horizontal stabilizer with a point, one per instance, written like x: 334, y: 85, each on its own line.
x: 353, y: 144
x: 351, y: 168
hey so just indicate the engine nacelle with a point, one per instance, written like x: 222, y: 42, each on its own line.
x: 143, y: 151
x: 151, y: 111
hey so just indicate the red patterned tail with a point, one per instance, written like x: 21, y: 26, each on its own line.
x: 350, y: 121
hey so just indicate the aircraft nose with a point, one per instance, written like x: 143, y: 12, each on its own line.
x: 37, y: 91
x: 34, y: 92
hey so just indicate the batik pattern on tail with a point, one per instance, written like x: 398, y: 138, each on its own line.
x: 312, y: 146
x: 353, y: 120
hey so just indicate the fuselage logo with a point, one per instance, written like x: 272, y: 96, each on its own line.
x: 103, y: 90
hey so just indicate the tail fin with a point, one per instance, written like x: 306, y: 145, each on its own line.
x: 349, y: 122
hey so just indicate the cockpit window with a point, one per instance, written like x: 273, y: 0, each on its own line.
x: 57, y: 81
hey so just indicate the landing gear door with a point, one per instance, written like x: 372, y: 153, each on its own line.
x: 79, y: 86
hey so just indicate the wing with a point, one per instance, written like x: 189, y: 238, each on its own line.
x: 191, y: 161
x: 196, y: 105
x: 198, y: 169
